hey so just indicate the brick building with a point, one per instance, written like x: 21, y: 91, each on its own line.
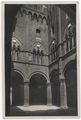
x: 44, y: 57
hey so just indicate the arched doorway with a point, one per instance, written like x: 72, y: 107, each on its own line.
x: 54, y: 78
x: 38, y: 90
x: 17, y: 89
x: 71, y: 84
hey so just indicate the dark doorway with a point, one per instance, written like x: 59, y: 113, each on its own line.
x: 38, y: 90
x: 71, y: 84
x: 17, y: 89
x: 55, y: 87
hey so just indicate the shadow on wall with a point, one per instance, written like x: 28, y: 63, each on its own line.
x: 71, y: 84
x: 17, y: 84
x: 38, y: 90
x: 55, y: 87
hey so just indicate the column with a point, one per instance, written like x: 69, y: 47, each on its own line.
x: 50, y: 59
x: 18, y: 55
x: 49, y: 94
x: 13, y: 55
x: 37, y: 58
x: 26, y: 94
x: 64, y: 45
x: 72, y: 42
x: 11, y: 96
x: 68, y: 44
x: 63, y: 96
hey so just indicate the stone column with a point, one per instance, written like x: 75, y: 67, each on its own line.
x: 64, y: 48
x: 26, y: 94
x: 13, y: 55
x: 63, y: 96
x: 68, y: 45
x: 49, y: 94
x: 11, y: 96
x: 72, y: 42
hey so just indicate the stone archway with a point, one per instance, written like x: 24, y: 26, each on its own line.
x: 71, y: 83
x: 38, y: 90
x: 17, y: 89
x: 55, y: 85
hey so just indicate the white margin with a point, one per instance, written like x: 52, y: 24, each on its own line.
x: 3, y: 57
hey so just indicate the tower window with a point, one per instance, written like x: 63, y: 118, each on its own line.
x: 37, y: 31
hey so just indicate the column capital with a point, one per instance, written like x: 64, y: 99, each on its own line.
x: 26, y: 83
x: 61, y: 77
x: 49, y: 83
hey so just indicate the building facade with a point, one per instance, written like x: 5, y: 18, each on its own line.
x: 44, y: 57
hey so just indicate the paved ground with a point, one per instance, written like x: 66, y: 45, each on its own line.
x: 41, y: 110
x: 37, y: 108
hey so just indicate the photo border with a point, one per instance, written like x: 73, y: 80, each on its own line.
x: 3, y: 55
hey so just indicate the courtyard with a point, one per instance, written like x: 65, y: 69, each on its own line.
x: 41, y: 110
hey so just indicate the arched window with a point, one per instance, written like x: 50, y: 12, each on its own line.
x: 16, y: 48
x: 34, y: 55
x: 24, y: 11
x: 53, y: 50
x: 34, y: 16
x: 18, y: 52
x: 67, y: 46
x: 42, y: 53
x: 51, y: 54
x: 30, y: 15
x: 44, y: 20
x: 40, y: 19
x: 70, y: 37
x: 38, y: 53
